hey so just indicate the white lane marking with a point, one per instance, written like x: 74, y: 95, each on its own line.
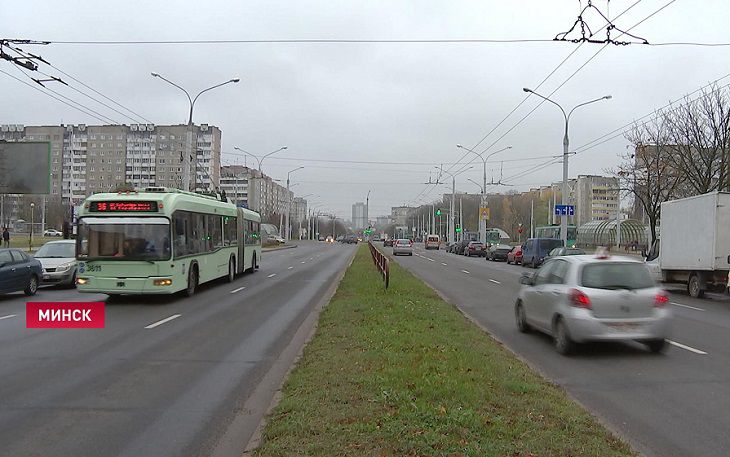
x: 443, y: 264
x: 8, y: 316
x: 236, y: 290
x: 167, y: 319
x: 271, y: 275
x: 688, y: 348
x: 304, y: 261
x: 290, y: 268
x: 430, y: 260
x: 495, y: 281
x: 686, y: 306
x: 464, y: 271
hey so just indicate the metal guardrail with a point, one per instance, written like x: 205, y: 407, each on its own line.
x: 382, y: 263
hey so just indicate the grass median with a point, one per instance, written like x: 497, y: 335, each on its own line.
x: 404, y: 373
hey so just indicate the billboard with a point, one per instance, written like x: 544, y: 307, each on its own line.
x: 25, y: 167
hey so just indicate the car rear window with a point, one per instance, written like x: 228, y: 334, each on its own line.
x: 433, y: 238
x: 549, y: 245
x: 616, y: 275
x: 403, y: 242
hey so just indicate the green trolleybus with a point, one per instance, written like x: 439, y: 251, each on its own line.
x: 162, y: 241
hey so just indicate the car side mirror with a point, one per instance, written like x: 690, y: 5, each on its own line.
x: 527, y: 279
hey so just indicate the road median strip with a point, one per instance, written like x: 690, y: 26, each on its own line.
x: 402, y: 372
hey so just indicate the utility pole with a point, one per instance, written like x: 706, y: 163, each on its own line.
x: 461, y: 218
x: 532, y: 218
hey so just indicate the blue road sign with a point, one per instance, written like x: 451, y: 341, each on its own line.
x: 564, y: 210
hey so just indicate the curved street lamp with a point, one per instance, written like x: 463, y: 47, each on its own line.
x: 566, y: 143
x: 191, y: 100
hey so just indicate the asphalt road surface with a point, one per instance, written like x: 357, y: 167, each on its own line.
x: 168, y: 376
x: 672, y: 404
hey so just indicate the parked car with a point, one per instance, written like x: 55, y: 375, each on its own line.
x: 19, y: 271
x: 58, y: 259
x: 52, y: 232
x: 388, y: 242
x: 432, y: 242
x: 402, y: 246
x: 594, y: 298
x: 557, y: 252
x: 498, y: 252
x: 535, y: 250
x: 515, y: 255
x: 476, y: 248
x: 450, y: 246
x: 459, y: 248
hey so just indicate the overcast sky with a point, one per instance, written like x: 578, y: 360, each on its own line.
x: 381, y: 102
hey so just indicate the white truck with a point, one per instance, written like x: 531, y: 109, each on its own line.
x: 694, y: 246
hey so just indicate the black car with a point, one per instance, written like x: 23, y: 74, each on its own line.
x: 459, y: 248
x: 498, y: 252
x: 388, y: 242
x: 19, y: 271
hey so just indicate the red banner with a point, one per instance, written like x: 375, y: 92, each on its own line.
x: 64, y: 315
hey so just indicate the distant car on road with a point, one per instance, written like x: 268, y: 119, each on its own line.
x: 58, y: 259
x: 459, y: 247
x: 476, y: 248
x: 432, y: 242
x: 19, y: 271
x: 498, y: 252
x: 515, y: 255
x: 557, y: 252
x: 450, y: 246
x: 403, y: 246
x: 330, y: 239
x: 535, y: 250
x: 593, y: 298
x: 321, y: 238
x: 52, y: 232
x: 388, y: 242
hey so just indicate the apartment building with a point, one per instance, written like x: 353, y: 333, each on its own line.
x: 251, y: 188
x: 359, y: 216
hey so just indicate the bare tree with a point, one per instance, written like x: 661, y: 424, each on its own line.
x: 648, y: 173
x: 698, y: 136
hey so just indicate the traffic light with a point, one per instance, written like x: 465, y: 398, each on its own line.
x: 438, y: 212
x: 458, y: 229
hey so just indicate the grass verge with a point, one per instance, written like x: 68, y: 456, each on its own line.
x: 404, y: 373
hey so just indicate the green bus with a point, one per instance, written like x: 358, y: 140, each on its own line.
x: 162, y: 241
x: 553, y: 231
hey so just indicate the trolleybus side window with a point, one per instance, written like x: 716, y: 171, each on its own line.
x: 229, y: 228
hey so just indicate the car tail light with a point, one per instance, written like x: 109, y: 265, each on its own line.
x: 660, y: 300
x: 579, y: 299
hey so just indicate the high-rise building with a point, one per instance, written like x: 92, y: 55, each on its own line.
x: 251, y: 188
x: 98, y: 158
x: 597, y: 198
x: 359, y: 216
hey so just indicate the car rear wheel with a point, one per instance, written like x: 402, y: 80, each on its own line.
x: 693, y: 287
x: 32, y: 286
x: 656, y: 346
x: 521, y: 319
x: 563, y: 343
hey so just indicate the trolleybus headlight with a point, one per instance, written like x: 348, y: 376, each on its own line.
x: 81, y: 281
x: 162, y: 282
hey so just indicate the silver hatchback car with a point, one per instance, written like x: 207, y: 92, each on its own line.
x: 594, y: 298
x: 403, y: 246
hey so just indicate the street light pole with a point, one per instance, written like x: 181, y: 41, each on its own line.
x: 483, y: 223
x: 186, y: 157
x: 289, y: 199
x: 566, y: 144
x: 452, y: 209
x: 367, y: 209
x: 30, y: 239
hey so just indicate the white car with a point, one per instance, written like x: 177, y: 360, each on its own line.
x: 403, y: 246
x: 52, y: 232
x: 58, y: 259
x: 584, y: 298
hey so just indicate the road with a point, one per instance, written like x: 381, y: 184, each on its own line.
x: 672, y: 404
x: 168, y: 376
